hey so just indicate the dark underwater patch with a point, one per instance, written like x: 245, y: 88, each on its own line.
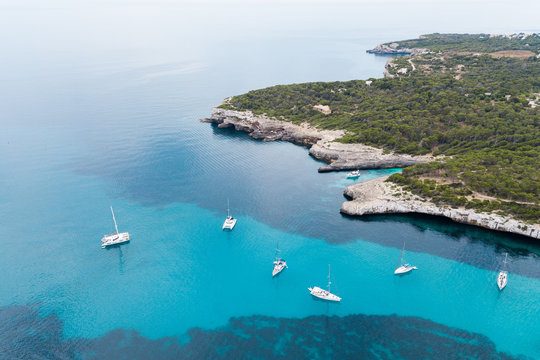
x: 26, y: 334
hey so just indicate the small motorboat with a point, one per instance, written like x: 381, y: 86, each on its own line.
x: 353, y: 174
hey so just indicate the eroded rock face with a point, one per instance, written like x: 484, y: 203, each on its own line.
x: 359, y: 156
x: 266, y: 129
x: 339, y: 156
x: 378, y: 197
x: 371, y: 197
x: 393, y: 49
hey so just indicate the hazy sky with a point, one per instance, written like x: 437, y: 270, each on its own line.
x: 437, y: 15
x: 66, y: 29
x: 64, y: 43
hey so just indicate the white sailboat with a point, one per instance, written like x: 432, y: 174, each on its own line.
x: 502, y: 278
x: 116, y: 238
x: 324, y: 294
x: 279, y: 263
x: 402, y: 268
x: 229, y: 221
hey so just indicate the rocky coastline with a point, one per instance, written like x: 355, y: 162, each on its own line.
x: 394, y: 49
x: 371, y: 197
x: 338, y: 156
x: 379, y: 197
x: 358, y: 156
x: 267, y: 129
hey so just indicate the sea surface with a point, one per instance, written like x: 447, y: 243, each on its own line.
x: 100, y: 105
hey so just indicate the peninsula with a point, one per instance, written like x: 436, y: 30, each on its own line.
x: 460, y: 115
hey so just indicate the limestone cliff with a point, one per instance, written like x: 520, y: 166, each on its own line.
x: 371, y: 197
x: 338, y: 156
x: 379, y: 197
x: 394, y: 49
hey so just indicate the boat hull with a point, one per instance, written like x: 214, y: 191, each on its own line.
x: 323, y: 294
x: 502, y: 280
x: 278, y: 267
x: 404, y: 269
x: 114, y: 239
x: 229, y: 224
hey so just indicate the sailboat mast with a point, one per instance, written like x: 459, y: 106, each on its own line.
x: 329, y: 282
x: 400, y: 255
x: 228, y: 207
x: 114, y: 219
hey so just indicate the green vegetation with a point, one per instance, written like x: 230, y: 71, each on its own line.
x: 420, y: 113
x: 473, y: 109
x: 472, y: 42
x: 454, y: 194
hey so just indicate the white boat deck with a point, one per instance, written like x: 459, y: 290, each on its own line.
x: 114, y: 239
x: 229, y: 223
x: 404, y: 269
x: 323, y: 294
x: 502, y: 279
x: 279, y: 265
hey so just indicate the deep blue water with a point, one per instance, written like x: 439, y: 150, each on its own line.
x: 100, y: 105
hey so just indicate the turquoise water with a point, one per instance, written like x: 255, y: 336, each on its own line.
x: 107, y: 114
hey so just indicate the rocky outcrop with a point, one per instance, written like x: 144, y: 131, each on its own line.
x: 371, y: 197
x: 394, y: 49
x: 267, y: 129
x: 338, y: 156
x: 378, y: 197
x: 358, y: 156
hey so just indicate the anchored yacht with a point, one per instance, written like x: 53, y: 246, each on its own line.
x: 502, y: 278
x: 229, y: 221
x: 279, y: 263
x: 116, y: 238
x: 403, y: 268
x: 324, y: 294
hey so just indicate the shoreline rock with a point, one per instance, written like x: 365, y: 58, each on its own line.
x: 321, y: 142
x: 378, y: 197
x: 393, y: 49
x: 267, y: 129
x: 370, y: 197
x: 358, y: 156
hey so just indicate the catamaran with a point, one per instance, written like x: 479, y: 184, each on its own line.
x: 229, y: 221
x: 279, y: 263
x: 324, y: 294
x: 116, y: 238
x: 502, y: 278
x: 402, y: 268
x: 354, y: 174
